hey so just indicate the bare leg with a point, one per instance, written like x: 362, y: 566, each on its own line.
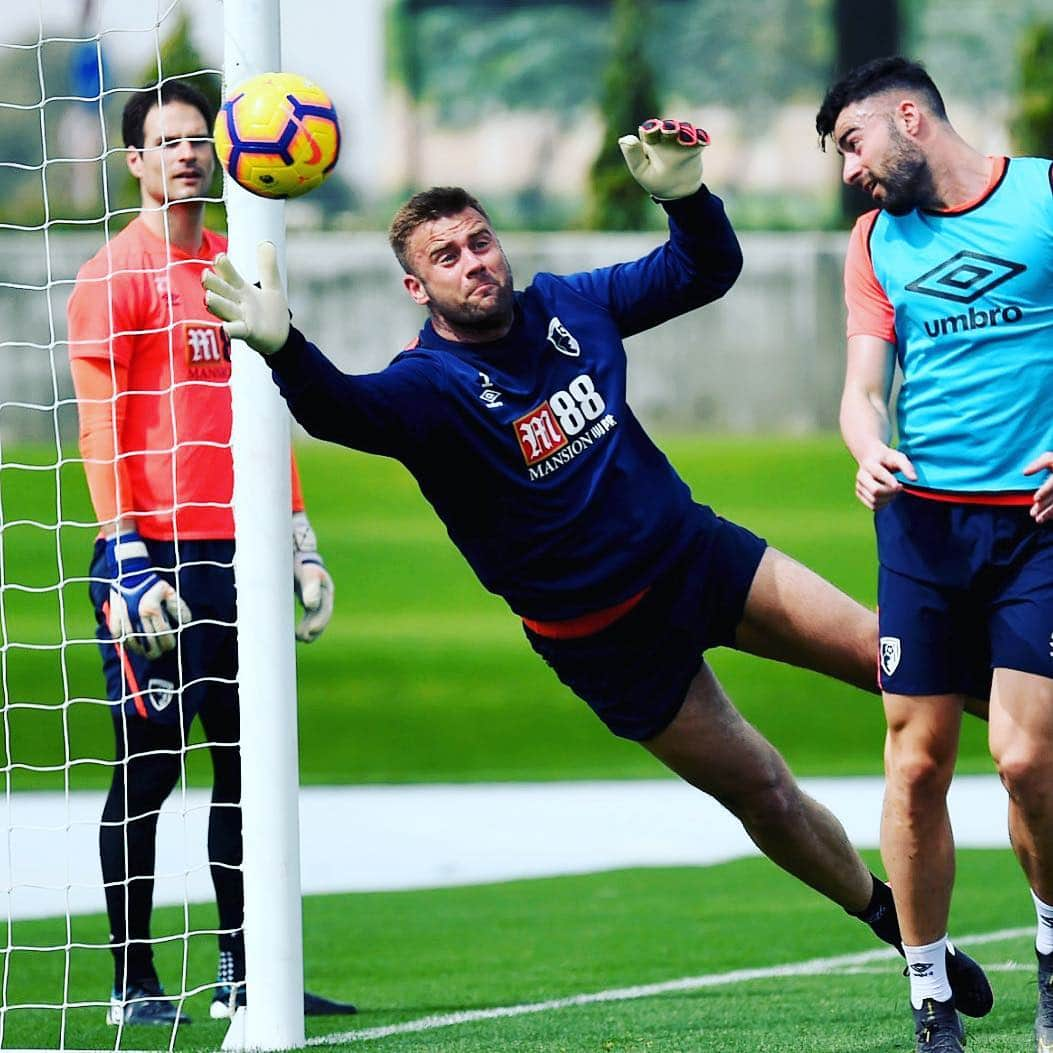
x: 711, y: 746
x: 917, y: 845
x: 793, y: 615
x: 1021, y: 738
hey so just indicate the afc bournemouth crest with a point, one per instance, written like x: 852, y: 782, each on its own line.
x: 890, y: 654
x: 160, y: 692
x: 561, y: 338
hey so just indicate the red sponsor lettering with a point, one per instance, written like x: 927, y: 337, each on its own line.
x: 539, y: 434
x: 207, y: 350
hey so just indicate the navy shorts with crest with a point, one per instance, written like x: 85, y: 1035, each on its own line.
x: 962, y: 589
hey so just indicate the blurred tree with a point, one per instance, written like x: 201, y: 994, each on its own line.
x: 1032, y: 125
x: 863, y: 32
x: 629, y: 97
x: 461, y: 57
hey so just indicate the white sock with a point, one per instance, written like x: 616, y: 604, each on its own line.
x: 1044, y: 932
x: 927, y: 969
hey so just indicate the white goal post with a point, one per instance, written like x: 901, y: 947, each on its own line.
x: 51, y: 888
x: 273, y: 1019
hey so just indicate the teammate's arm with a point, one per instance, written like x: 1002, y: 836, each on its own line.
x: 143, y: 608
x: 312, y: 583
x: 865, y: 424
x: 101, y: 415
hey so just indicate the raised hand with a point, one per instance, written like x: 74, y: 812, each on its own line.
x: 665, y: 158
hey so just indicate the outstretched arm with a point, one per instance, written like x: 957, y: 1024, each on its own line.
x: 700, y: 261
x: 387, y: 413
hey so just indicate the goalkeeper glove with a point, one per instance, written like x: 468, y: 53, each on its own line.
x: 144, y: 608
x: 314, y: 586
x: 666, y: 158
x: 259, y: 315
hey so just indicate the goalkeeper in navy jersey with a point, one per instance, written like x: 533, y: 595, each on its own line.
x: 510, y: 411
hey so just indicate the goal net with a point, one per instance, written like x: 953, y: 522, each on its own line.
x: 66, y: 73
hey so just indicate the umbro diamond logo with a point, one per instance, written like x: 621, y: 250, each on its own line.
x: 491, y: 396
x: 921, y: 968
x: 966, y: 276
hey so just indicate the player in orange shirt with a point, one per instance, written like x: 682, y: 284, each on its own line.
x: 151, y: 370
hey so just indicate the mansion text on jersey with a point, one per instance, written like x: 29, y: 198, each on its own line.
x: 572, y: 449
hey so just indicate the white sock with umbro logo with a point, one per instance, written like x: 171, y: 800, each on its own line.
x: 1044, y: 932
x: 927, y: 970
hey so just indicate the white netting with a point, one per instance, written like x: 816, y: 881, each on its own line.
x: 66, y: 72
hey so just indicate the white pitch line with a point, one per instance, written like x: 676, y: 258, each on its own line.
x: 811, y: 967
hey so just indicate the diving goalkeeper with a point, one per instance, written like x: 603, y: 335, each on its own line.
x: 510, y: 411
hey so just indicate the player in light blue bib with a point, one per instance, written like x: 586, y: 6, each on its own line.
x: 951, y: 278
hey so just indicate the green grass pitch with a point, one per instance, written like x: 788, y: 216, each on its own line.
x: 423, y: 677
x: 409, y: 957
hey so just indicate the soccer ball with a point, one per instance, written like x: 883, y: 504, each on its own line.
x: 277, y: 135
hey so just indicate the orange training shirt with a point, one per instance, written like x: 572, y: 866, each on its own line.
x: 138, y: 307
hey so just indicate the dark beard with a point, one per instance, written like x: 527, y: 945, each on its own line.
x: 907, y: 180
x: 475, y: 318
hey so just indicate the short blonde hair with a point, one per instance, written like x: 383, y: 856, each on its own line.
x: 431, y: 204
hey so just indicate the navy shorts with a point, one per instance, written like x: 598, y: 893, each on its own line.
x: 203, y: 666
x: 962, y: 589
x: 635, y: 673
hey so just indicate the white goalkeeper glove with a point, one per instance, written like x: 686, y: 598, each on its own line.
x: 144, y: 609
x: 666, y: 158
x: 259, y: 316
x: 314, y: 586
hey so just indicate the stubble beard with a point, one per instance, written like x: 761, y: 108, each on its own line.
x: 907, y: 179
x: 478, y: 318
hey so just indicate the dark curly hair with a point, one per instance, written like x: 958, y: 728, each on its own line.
x: 872, y: 78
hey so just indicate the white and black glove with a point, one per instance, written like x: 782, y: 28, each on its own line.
x: 259, y: 315
x: 145, y: 610
x: 666, y: 157
x: 314, y: 586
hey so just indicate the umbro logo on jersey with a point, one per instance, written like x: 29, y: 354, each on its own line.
x: 561, y: 338
x: 490, y: 396
x: 975, y: 319
x: 890, y: 654
x: 921, y: 968
x: 966, y: 276
x: 165, y: 290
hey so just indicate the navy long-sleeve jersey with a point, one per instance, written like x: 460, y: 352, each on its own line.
x: 526, y: 446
